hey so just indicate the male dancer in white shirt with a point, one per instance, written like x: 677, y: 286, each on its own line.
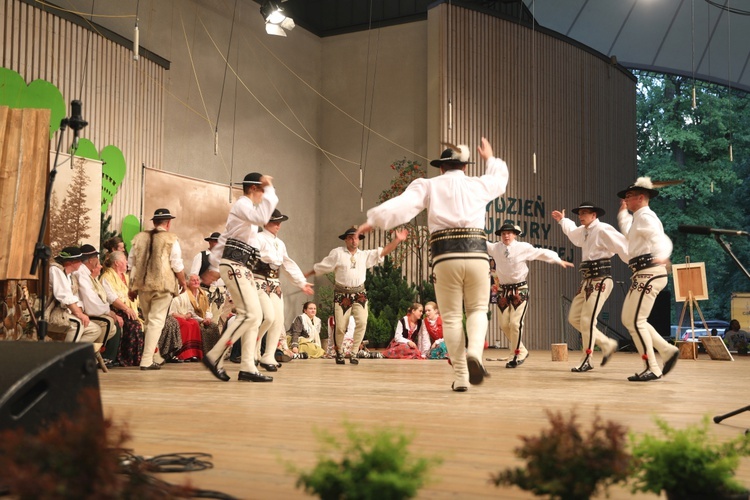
x: 455, y: 206
x: 511, y: 257
x: 233, y: 258
x: 349, y: 265
x: 599, y: 242
x: 649, y: 250
x: 273, y: 256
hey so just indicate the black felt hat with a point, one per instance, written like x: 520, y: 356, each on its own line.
x: 69, y: 254
x: 214, y: 236
x: 589, y: 206
x: 277, y: 216
x: 643, y: 184
x: 508, y: 227
x: 251, y: 178
x: 453, y: 156
x: 162, y: 214
x: 349, y: 231
x: 88, y: 250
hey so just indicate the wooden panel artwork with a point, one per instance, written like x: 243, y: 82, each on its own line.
x: 24, y: 146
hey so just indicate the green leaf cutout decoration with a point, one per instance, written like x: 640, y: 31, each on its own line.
x: 130, y: 227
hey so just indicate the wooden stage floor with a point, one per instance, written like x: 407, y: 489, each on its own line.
x: 253, y: 430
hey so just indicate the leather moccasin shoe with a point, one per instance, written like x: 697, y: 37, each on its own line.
x: 646, y: 376
x: 353, y: 360
x: 217, y: 372
x: 585, y: 367
x: 670, y: 362
x: 153, y: 366
x: 340, y: 360
x: 253, y: 377
x: 267, y: 367
x: 476, y: 371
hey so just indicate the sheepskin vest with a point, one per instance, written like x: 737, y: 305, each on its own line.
x: 152, y: 270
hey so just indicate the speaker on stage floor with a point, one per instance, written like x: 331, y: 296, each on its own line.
x: 660, y: 317
x: 40, y: 381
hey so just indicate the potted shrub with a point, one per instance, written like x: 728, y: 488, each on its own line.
x: 374, y: 464
x: 567, y: 462
x: 688, y: 463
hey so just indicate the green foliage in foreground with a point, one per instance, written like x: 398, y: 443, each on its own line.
x: 369, y: 465
x: 687, y: 462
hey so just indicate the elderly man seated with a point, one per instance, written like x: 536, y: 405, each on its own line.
x: 95, y: 301
x: 65, y: 309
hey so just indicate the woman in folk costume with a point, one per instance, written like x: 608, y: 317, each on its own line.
x: 432, y: 324
x: 511, y: 259
x: 408, y: 341
x: 304, y: 334
x: 116, y: 283
x: 191, y: 310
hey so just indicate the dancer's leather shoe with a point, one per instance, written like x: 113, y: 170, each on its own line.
x: 217, y: 372
x: 670, y: 362
x: 585, y: 367
x: 268, y: 367
x: 153, y: 366
x: 340, y: 359
x: 253, y: 377
x: 607, y: 355
x: 521, y: 361
x: 460, y: 388
x: 353, y: 360
x: 646, y: 376
x: 476, y: 371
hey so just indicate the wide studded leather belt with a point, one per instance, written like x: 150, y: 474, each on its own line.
x: 641, y: 262
x: 600, y: 268
x: 458, y: 240
x: 240, y: 252
x: 265, y: 270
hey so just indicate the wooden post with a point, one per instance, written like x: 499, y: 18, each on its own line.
x: 559, y: 352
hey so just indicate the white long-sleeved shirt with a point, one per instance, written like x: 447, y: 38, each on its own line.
x: 243, y: 221
x: 597, y: 241
x: 420, y: 337
x: 644, y: 233
x: 510, y: 261
x: 350, y: 270
x: 453, y: 199
x: 273, y: 252
x: 93, y: 304
x: 62, y: 288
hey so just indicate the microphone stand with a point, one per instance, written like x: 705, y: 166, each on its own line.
x: 727, y: 248
x: 42, y: 252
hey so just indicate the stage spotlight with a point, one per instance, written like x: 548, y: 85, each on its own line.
x: 276, y: 19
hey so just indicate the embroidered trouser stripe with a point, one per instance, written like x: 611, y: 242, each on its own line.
x: 646, y: 285
x: 584, y: 311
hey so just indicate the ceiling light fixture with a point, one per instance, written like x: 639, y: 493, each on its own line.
x: 276, y: 20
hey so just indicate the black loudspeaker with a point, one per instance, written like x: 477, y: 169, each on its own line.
x: 39, y: 381
x: 660, y: 317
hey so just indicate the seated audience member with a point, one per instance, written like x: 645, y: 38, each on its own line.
x: 64, y: 311
x: 170, y: 342
x: 116, y: 283
x: 304, y: 334
x: 114, y: 244
x: 405, y: 341
x: 432, y: 328
x: 734, y: 337
x: 191, y: 310
x: 95, y: 304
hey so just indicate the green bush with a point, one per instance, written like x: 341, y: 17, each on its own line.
x: 379, y: 331
x: 388, y: 293
x: 373, y: 465
x: 686, y: 463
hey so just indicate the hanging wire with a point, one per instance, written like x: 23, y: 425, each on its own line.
x: 729, y: 79
x: 534, y: 83
x: 224, y: 82
x: 234, y: 120
x: 365, y: 140
x: 86, y: 56
x: 692, y: 47
x: 83, y: 14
